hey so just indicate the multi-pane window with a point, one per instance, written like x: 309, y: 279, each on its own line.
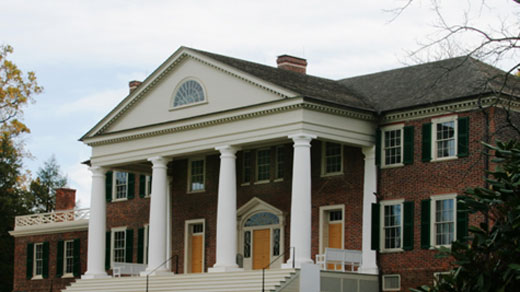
x: 263, y: 165
x: 445, y: 139
x: 68, y: 257
x: 38, y: 259
x: 335, y: 216
x: 392, y: 147
x: 332, y: 161
x: 198, y: 228
x: 444, y: 224
x: 119, y: 246
x: 392, y: 226
x: 121, y: 183
x: 246, y: 167
x: 196, y: 175
x: 280, y: 157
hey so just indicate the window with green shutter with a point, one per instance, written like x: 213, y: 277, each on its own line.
x: 45, y: 261
x: 107, y: 250
x: 129, y: 254
x: 59, y: 259
x: 77, y: 258
x: 378, y: 147
x: 140, y: 246
x: 142, y: 186
x: 131, y: 186
x: 462, y: 220
x: 29, y: 260
x: 408, y: 145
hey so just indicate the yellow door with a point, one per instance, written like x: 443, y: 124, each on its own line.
x: 335, y: 234
x: 261, y: 248
x: 196, y: 253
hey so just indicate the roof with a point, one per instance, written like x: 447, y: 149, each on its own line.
x: 305, y: 85
x: 431, y: 83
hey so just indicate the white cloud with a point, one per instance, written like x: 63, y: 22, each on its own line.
x: 80, y: 179
x: 98, y: 102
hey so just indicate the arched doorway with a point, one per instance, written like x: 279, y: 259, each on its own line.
x: 260, y: 234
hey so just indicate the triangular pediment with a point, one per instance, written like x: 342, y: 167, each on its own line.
x: 226, y: 88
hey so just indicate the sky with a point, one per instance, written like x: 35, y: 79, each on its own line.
x: 84, y: 53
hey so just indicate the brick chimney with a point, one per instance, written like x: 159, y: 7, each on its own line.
x: 133, y: 85
x: 65, y: 199
x: 291, y: 63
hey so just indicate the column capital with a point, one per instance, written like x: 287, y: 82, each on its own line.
x: 227, y: 149
x: 302, y: 139
x: 158, y: 161
x: 97, y: 170
x: 369, y: 152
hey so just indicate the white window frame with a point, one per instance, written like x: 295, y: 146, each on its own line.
x: 382, y: 205
x: 324, y: 159
x: 112, y: 244
x: 114, y: 186
x: 190, y: 161
x: 435, y: 122
x: 391, y: 289
x: 188, y: 225
x: 383, y: 152
x: 35, y: 261
x: 257, y: 166
x: 324, y: 218
x: 433, y: 233
x: 277, y: 160
x: 67, y: 274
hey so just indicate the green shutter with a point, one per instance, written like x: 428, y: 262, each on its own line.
x: 378, y: 147
x: 427, y: 142
x: 142, y: 186
x: 30, y: 258
x: 59, y: 259
x: 375, y: 226
x: 107, y: 250
x: 408, y: 144
x: 408, y: 219
x: 131, y: 186
x: 129, y: 248
x: 108, y: 186
x: 462, y: 220
x: 463, y: 137
x: 150, y: 186
x: 140, y: 245
x: 425, y: 224
x: 77, y: 258
x: 45, y: 270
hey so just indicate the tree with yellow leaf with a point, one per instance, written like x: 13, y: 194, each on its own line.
x: 16, y: 91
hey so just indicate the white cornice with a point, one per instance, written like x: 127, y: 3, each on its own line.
x: 51, y: 228
x: 153, y: 131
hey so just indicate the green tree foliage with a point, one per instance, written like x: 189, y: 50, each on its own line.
x: 14, y: 201
x: 16, y: 91
x: 43, y: 188
x: 490, y: 259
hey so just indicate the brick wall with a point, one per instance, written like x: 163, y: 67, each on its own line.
x: 21, y: 283
x: 420, y: 181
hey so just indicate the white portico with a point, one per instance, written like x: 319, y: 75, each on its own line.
x: 147, y: 130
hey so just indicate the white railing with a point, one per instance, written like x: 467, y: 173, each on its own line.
x: 51, y: 217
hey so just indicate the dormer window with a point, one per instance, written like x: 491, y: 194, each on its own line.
x: 188, y: 93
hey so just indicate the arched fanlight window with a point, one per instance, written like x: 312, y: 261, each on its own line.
x: 263, y: 218
x: 189, y: 92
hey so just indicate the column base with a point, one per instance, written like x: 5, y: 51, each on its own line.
x: 297, y: 263
x: 224, y: 269
x: 88, y: 275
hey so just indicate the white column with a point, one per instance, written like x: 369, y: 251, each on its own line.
x: 158, y: 217
x: 168, y: 224
x: 226, y: 212
x: 97, y: 226
x: 301, y: 202
x: 369, y: 264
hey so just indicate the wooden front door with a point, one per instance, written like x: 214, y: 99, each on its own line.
x: 261, y: 248
x: 196, y: 253
x: 335, y: 234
